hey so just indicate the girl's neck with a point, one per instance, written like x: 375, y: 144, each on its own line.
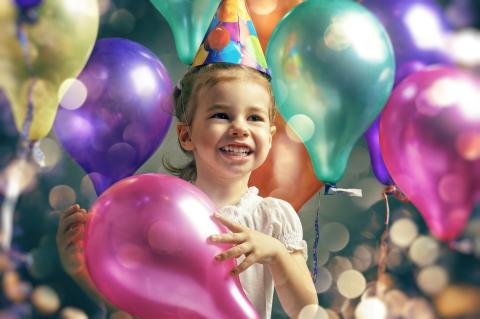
x: 223, y: 191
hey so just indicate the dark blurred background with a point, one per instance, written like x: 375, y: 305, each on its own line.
x: 425, y: 278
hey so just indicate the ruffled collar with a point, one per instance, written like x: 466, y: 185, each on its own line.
x: 248, y: 198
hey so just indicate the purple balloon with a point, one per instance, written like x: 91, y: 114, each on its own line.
x: 416, y: 29
x: 147, y: 251
x: 125, y: 116
x: 378, y: 166
x: 27, y: 4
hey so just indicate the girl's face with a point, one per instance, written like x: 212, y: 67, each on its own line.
x: 231, y: 133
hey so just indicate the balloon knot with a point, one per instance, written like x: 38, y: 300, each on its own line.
x: 328, y: 188
x: 395, y: 192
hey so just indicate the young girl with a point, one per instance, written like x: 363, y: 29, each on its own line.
x: 225, y: 114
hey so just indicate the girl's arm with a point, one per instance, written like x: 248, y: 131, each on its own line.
x: 293, y: 283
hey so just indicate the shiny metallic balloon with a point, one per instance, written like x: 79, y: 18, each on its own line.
x: 37, y: 56
x: 332, y: 69
x: 189, y: 21
x: 147, y: 252
x: 430, y: 141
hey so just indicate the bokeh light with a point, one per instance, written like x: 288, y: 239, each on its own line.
x: 72, y: 94
x: 351, y: 284
x: 425, y: 27
x: 362, y: 258
x: 303, y: 126
x: 20, y: 175
x: 52, y: 152
x: 432, y: 279
x: 86, y: 187
x: 312, y: 312
x: 464, y: 47
x: 263, y: 7
x: 323, y: 254
x: 395, y: 300
x: 337, y: 265
x: 122, y: 21
x: 332, y: 314
x: 324, y: 280
x: 61, y: 197
x: 334, y: 236
x: 418, y: 308
x: 403, y: 232
x: 371, y: 308
x: 14, y: 288
x: 72, y: 313
x: 45, y: 300
x: 424, y: 251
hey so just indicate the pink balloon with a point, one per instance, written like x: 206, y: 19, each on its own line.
x: 430, y: 139
x: 146, y: 250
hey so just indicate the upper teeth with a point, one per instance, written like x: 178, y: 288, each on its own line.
x: 236, y: 149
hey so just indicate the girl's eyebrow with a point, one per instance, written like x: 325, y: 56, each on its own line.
x: 216, y: 107
x: 224, y: 107
x: 257, y: 109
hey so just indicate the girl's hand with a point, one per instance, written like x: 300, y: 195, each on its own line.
x: 256, y: 246
x: 71, y: 229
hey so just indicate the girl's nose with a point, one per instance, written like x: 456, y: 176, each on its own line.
x: 238, y: 130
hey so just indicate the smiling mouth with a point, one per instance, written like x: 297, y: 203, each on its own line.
x: 236, y: 150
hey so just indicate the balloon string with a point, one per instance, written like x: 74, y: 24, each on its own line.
x: 315, y: 244
x: 23, y: 150
x: 382, y: 259
x: 24, y: 44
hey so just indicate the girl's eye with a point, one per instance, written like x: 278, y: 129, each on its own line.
x: 222, y: 116
x: 256, y: 118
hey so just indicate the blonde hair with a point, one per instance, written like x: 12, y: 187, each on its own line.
x: 185, y: 98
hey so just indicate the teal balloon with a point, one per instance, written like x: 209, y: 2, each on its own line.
x: 189, y: 21
x: 332, y: 67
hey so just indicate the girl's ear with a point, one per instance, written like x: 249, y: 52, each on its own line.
x: 273, y: 129
x: 184, y: 136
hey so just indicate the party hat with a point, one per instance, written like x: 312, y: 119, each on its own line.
x: 231, y: 38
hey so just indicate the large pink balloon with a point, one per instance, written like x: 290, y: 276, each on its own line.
x: 147, y: 252
x: 430, y: 139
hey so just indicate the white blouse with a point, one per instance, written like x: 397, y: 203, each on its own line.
x: 274, y: 217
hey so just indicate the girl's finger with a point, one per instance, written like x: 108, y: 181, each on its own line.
x: 233, y: 226
x: 235, y: 252
x: 229, y: 238
x: 247, y: 262
x: 70, y: 237
x: 76, y: 218
x: 72, y: 209
x: 74, y: 246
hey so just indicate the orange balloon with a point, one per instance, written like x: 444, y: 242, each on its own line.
x: 266, y: 14
x: 288, y: 171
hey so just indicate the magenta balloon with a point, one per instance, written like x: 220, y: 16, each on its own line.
x: 146, y: 250
x: 430, y: 141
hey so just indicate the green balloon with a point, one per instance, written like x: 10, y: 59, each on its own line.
x: 332, y: 67
x: 189, y: 21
